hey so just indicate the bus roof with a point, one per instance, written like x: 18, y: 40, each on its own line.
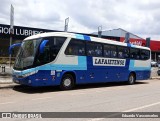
x: 74, y: 35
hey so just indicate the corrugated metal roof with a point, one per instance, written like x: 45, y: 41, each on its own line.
x: 117, y: 33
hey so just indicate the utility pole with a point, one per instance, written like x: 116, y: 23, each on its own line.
x: 66, y: 24
x: 127, y: 37
x: 148, y: 42
x: 11, y: 30
x: 99, y: 31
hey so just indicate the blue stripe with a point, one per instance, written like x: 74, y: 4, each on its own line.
x: 83, y: 37
x: 133, y: 68
x: 79, y: 36
x: 141, y: 68
x: 128, y: 45
x: 87, y: 38
x: 82, y: 65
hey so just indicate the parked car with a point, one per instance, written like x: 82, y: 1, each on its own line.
x: 158, y: 64
x: 158, y: 72
x: 153, y: 63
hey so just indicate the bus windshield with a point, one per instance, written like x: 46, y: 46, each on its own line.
x: 29, y: 55
x: 26, y: 54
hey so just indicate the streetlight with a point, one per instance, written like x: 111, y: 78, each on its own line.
x: 99, y: 31
x: 66, y: 24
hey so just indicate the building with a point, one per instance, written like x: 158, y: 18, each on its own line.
x: 134, y: 39
x: 20, y: 33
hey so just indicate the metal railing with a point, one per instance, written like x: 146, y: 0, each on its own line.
x: 5, y: 60
x: 5, y: 63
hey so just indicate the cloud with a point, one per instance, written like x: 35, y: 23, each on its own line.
x: 139, y: 17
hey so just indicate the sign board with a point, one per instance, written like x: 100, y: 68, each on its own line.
x: 20, y: 32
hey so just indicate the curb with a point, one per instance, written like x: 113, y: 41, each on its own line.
x: 155, y: 78
x: 7, y: 86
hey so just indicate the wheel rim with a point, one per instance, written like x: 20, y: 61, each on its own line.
x: 131, y: 79
x: 67, y: 82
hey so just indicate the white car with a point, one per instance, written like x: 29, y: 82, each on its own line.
x: 153, y: 63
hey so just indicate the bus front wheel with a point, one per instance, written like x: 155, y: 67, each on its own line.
x: 131, y: 79
x: 67, y: 82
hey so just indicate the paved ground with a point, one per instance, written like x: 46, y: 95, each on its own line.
x: 144, y: 96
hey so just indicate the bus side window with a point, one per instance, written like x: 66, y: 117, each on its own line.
x: 107, y: 51
x: 98, y: 49
x: 90, y: 49
x: 135, y: 53
x: 76, y: 47
x: 51, y: 50
x: 138, y: 54
x: 43, y: 57
x: 123, y: 52
x: 113, y: 51
x: 120, y: 52
x: 81, y: 51
x: 145, y: 54
x: 126, y: 52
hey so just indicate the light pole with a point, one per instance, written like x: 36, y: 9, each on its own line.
x: 11, y: 30
x: 66, y: 24
x: 99, y: 31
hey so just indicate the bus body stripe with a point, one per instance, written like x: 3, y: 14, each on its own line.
x: 83, y: 37
x: 132, y: 66
x: 79, y: 36
x: 82, y: 65
x: 128, y: 45
x: 87, y: 38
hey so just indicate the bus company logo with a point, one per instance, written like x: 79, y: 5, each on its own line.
x: 6, y: 115
x: 108, y: 62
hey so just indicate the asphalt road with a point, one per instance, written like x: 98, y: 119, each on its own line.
x: 144, y: 96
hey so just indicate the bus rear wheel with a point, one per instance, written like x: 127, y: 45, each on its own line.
x: 67, y: 82
x: 131, y: 79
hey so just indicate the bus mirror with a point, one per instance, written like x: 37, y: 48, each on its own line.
x: 12, y: 46
x: 42, y: 46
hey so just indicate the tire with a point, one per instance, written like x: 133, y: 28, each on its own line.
x: 131, y: 79
x: 67, y: 82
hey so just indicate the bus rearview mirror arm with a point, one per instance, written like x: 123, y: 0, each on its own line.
x: 42, y: 46
x: 12, y: 46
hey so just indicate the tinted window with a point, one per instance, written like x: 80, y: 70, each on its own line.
x: 123, y: 52
x: 76, y: 47
x: 51, y: 50
x: 145, y: 54
x: 134, y: 53
x: 98, y: 49
x: 113, y: 51
x: 94, y: 49
x: 90, y: 49
x: 107, y: 51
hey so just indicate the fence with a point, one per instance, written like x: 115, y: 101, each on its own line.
x: 5, y: 60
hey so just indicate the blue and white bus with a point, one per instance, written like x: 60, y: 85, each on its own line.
x: 68, y: 59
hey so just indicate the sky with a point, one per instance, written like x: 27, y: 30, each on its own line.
x: 138, y: 17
